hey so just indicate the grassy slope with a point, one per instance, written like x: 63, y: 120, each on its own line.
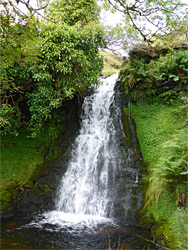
x: 112, y: 62
x: 22, y: 157
x: 156, y: 124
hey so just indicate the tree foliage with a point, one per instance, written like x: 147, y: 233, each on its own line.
x: 70, y: 64
x: 74, y: 11
x: 43, y: 63
x: 151, y: 20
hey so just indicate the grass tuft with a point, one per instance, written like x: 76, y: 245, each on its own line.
x: 22, y: 156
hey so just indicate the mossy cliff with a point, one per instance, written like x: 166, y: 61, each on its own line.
x: 156, y: 86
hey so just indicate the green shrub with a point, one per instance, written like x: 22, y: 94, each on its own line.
x: 169, y: 171
x: 47, y: 63
x: 10, y: 119
x: 136, y: 72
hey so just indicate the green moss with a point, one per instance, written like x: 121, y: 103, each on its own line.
x: 47, y: 189
x: 164, y: 236
x: 22, y: 157
x: 155, y: 124
x: 36, y: 188
x: 5, y: 195
x: 66, y: 154
x: 179, y: 227
x: 162, y: 141
x: 126, y: 124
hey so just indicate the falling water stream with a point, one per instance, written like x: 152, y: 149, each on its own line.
x: 98, y: 198
x: 94, y: 160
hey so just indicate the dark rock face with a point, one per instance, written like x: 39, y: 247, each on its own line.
x: 129, y: 196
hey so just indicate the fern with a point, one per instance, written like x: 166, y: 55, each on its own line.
x: 172, y: 67
x: 169, y: 170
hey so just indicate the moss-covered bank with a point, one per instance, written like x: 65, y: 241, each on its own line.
x: 163, y: 144
x: 24, y: 158
x: 159, y: 108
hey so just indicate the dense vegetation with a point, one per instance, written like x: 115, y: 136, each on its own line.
x: 147, y: 74
x: 159, y: 106
x: 52, y: 56
x: 44, y: 63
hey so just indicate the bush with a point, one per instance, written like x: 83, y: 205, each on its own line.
x: 10, y: 119
x: 173, y: 67
x: 66, y: 62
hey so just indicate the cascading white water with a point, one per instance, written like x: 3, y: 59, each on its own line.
x: 93, y: 186
x: 85, y: 197
x: 86, y: 194
x: 84, y: 187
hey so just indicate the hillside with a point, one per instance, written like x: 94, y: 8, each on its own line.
x: 112, y: 62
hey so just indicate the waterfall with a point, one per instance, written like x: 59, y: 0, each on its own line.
x: 84, y: 187
x: 101, y: 173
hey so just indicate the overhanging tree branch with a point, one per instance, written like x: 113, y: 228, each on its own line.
x: 33, y: 11
x: 137, y: 28
x: 159, y: 18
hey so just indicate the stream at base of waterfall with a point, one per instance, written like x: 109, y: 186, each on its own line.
x: 98, y: 198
